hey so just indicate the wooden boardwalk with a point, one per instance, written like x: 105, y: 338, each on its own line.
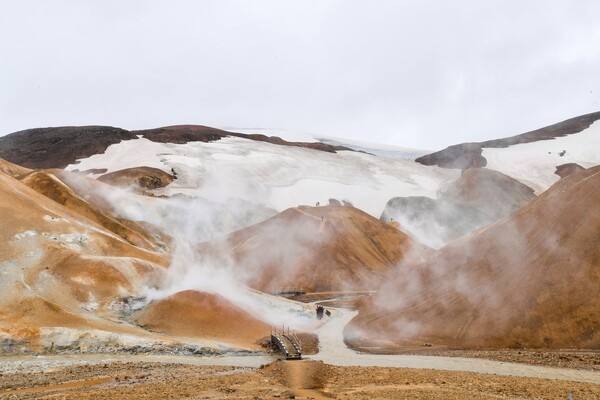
x: 287, y: 342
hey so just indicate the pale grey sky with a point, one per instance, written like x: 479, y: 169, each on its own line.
x: 415, y: 73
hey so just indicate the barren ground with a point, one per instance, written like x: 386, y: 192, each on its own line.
x: 574, y: 359
x: 295, y: 379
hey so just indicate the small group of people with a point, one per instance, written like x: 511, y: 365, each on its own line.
x: 321, y: 310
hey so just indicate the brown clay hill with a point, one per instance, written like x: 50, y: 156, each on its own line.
x: 203, y: 315
x: 315, y: 249
x: 468, y: 155
x: 568, y: 169
x: 139, y: 178
x: 49, y: 184
x: 531, y: 280
x: 63, y: 266
x: 53, y: 261
x: 13, y: 170
x: 58, y: 147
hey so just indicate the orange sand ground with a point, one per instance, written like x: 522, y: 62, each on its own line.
x: 202, y: 315
x: 281, y: 380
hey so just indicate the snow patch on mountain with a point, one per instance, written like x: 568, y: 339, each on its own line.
x: 276, y: 176
x: 534, y: 164
x: 377, y: 149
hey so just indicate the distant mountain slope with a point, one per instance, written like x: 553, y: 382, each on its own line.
x: 477, y: 198
x: 58, y: 147
x: 329, y: 248
x: 530, y: 280
x: 267, y: 171
x: 469, y: 155
x: 278, y: 177
x: 378, y: 149
x: 61, y: 146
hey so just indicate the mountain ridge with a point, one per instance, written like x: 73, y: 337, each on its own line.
x: 57, y: 147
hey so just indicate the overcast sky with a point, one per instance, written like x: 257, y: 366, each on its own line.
x: 422, y: 74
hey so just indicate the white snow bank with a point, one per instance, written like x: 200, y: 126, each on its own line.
x: 276, y: 176
x: 303, y: 137
x: 534, y: 163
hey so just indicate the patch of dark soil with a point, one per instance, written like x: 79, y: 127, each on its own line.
x: 568, y: 169
x: 145, y: 178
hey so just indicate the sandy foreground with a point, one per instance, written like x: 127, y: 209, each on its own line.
x: 280, y: 379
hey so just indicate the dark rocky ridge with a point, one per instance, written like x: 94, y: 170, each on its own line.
x: 41, y: 148
x: 60, y: 146
x: 198, y: 133
x: 468, y: 155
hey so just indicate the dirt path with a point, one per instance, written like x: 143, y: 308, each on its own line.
x: 333, y: 350
x: 303, y: 380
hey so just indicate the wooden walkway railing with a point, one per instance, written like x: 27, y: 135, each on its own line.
x: 287, y: 342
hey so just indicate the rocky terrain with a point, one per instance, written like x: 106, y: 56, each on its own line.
x: 139, y: 380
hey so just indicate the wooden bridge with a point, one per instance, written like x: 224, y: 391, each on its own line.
x: 287, y: 342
